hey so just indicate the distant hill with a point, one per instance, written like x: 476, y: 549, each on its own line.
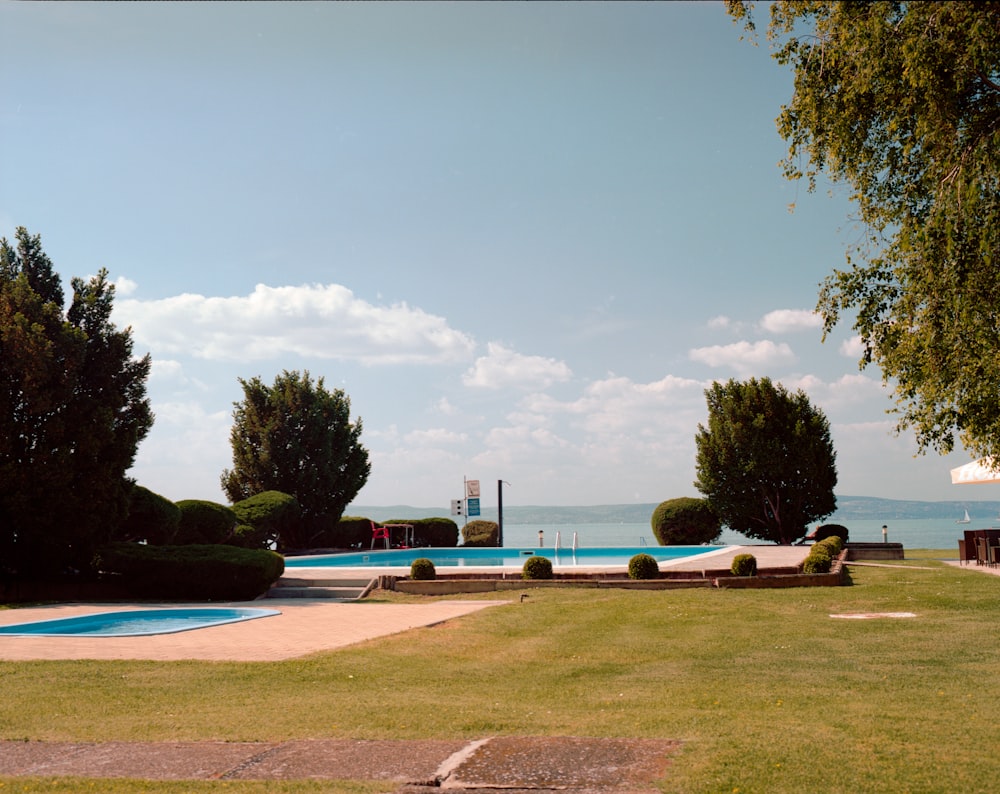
x: 848, y: 508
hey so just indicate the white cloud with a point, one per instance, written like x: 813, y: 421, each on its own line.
x: 852, y: 348
x: 321, y: 321
x: 744, y: 356
x: 783, y: 321
x: 445, y: 407
x: 719, y: 322
x: 166, y: 369
x: 185, y: 453
x: 124, y: 286
x: 504, y: 368
x: 435, y: 435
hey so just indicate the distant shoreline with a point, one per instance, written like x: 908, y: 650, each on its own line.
x: 849, y: 508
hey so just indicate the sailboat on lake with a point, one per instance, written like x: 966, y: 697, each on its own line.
x: 965, y: 520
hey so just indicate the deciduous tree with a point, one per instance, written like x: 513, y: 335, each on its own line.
x: 73, y: 410
x: 297, y: 437
x: 901, y: 102
x: 765, y: 462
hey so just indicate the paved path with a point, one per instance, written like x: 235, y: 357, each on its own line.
x: 511, y: 763
x: 303, y: 627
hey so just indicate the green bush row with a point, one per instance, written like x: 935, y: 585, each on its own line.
x: 195, y: 572
x: 822, y: 555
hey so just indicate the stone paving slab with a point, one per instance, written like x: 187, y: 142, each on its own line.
x: 145, y: 760
x: 511, y: 763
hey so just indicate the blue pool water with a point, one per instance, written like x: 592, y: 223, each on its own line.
x: 495, y: 557
x: 135, y: 622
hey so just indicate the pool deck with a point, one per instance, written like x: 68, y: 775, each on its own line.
x: 304, y: 626
x: 767, y: 557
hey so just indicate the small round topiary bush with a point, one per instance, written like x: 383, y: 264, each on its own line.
x: 537, y: 568
x: 422, y: 568
x: 643, y: 566
x: 818, y: 561
x: 744, y: 565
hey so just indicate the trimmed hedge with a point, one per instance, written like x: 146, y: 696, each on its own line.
x: 743, y: 565
x: 830, y: 530
x: 151, y: 518
x: 481, y: 533
x: 271, y: 514
x: 685, y: 521
x: 643, y: 566
x: 820, y: 559
x: 438, y: 532
x: 204, y: 522
x: 355, y: 532
x: 422, y: 569
x: 194, y: 572
x: 537, y: 568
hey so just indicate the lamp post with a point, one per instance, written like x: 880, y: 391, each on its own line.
x: 500, y: 485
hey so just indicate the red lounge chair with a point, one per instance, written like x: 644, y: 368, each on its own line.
x: 380, y: 533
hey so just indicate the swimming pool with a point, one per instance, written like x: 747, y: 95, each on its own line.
x: 135, y: 622
x: 498, y: 557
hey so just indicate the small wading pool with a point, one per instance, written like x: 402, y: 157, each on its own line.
x: 135, y: 622
x: 497, y: 557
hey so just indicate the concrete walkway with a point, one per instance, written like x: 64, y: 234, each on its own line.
x: 511, y: 763
x: 303, y: 627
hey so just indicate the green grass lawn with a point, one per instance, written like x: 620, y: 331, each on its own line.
x: 765, y: 690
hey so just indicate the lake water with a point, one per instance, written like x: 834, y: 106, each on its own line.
x: 917, y: 533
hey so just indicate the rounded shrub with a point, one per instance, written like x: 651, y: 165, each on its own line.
x: 192, y: 572
x: 204, y: 522
x: 643, y: 566
x: 831, y: 530
x: 481, y: 533
x: 151, y: 518
x: 744, y: 565
x: 818, y: 561
x: 273, y: 514
x: 422, y: 569
x: 685, y: 521
x: 833, y: 544
x: 537, y: 568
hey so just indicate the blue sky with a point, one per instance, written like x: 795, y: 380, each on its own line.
x: 522, y: 237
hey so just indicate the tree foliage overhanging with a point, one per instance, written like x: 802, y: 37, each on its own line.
x: 296, y: 437
x: 73, y: 410
x: 765, y: 462
x: 901, y: 101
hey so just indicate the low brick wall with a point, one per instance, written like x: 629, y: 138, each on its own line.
x: 767, y: 579
x: 875, y: 551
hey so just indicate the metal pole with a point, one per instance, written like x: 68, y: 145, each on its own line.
x: 499, y: 512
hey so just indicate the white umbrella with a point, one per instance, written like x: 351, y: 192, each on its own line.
x: 979, y: 471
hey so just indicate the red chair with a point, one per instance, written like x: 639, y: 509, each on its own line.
x: 380, y: 533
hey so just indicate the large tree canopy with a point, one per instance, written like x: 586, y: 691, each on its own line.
x: 73, y: 410
x: 765, y: 462
x: 297, y: 438
x: 901, y: 101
